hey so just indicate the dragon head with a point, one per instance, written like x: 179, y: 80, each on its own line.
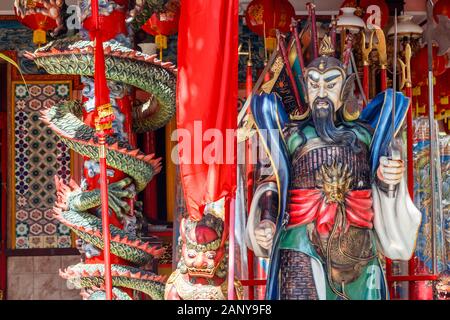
x: 335, y: 180
x: 443, y: 286
x: 203, y: 247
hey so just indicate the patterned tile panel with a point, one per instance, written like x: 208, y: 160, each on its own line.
x: 38, y: 157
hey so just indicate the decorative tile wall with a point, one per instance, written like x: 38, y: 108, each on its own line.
x: 38, y: 157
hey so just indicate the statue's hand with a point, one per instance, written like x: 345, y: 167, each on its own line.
x: 264, y: 233
x: 390, y: 171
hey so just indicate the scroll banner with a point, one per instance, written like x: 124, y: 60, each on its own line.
x: 207, y: 101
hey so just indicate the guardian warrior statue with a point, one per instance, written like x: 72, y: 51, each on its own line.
x: 327, y: 212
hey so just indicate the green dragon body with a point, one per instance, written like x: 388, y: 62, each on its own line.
x: 92, y: 276
x: 73, y: 56
x: 82, y: 139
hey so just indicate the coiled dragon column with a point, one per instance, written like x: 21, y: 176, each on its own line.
x: 129, y: 170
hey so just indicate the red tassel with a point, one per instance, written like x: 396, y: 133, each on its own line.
x: 249, y: 81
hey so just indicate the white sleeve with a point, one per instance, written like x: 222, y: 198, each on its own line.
x: 396, y: 222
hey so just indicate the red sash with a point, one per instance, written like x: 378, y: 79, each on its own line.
x: 307, y: 205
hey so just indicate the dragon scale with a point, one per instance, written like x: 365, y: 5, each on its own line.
x: 92, y: 276
x: 122, y: 65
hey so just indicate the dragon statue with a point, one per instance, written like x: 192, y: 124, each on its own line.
x: 128, y: 169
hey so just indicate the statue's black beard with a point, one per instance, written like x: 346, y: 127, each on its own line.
x: 323, y: 120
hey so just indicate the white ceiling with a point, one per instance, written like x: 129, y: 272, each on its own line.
x: 322, y: 6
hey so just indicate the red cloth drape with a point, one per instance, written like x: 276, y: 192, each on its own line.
x: 207, y: 92
x: 307, y: 205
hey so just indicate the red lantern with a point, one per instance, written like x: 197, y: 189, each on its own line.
x: 419, y: 63
x: 442, y: 7
x: 264, y: 17
x: 163, y: 24
x: 38, y: 15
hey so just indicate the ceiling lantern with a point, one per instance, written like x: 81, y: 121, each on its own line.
x: 349, y: 21
x: 372, y: 12
x: 406, y: 28
x: 163, y: 24
x: 441, y: 8
x: 40, y: 16
x: 264, y: 17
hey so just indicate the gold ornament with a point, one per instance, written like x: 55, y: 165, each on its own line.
x: 326, y: 48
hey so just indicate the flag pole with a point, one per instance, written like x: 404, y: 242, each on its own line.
x: 231, y: 241
x: 103, y: 124
x: 105, y: 219
x: 432, y: 134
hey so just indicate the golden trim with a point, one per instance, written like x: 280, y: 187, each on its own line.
x: 326, y: 48
x: 307, y: 70
x: 402, y: 74
x: 102, y: 151
x: 380, y: 46
x: 350, y: 116
x: 301, y: 117
x: 366, y: 50
x: 408, y: 54
x: 276, y: 69
x: 11, y: 144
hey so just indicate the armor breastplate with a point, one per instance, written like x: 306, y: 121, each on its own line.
x: 307, y: 161
x: 336, y: 170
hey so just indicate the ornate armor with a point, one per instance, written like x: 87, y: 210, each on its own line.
x: 334, y: 171
x: 308, y: 160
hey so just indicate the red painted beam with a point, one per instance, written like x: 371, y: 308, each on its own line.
x: 253, y: 282
x: 151, y: 191
x: 425, y: 277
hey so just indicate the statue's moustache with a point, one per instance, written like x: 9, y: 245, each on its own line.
x: 322, y: 106
x: 319, y: 102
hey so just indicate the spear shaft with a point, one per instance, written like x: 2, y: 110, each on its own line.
x: 315, y: 40
x: 395, y: 146
x: 432, y: 134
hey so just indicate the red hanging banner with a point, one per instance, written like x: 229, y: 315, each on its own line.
x: 207, y: 101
